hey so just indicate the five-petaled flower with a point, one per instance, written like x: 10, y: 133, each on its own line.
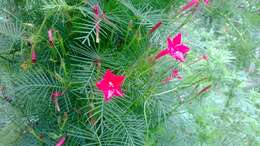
x: 175, y: 48
x: 193, y: 3
x: 111, y: 85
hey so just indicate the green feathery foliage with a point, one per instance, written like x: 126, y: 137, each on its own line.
x: 215, y: 103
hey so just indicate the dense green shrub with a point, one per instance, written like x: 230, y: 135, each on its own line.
x: 53, y: 53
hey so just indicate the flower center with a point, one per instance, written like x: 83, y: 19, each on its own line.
x: 111, y: 84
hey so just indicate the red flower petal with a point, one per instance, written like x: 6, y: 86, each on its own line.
x: 182, y: 48
x: 177, y: 39
x: 108, y: 75
x: 179, y: 56
x: 170, y: 43
x: 162, y: 53
x: 101, y: 85
x: 108, y: 95
x: 118, y: 80
x: 118, y: 92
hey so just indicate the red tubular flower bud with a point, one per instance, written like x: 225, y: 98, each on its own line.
x: 50, y: 38
x: 97, y: 26
x: 155, y: 27
x: 206, y: 89
x: 34, y: 56
x: 54, y: 97
x: 205, y: 57
x: 61, y: 141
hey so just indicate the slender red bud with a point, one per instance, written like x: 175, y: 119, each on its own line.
x: 97, y: 26
x: 61, y: 141
x: 155, y: 27
x: 190, y: 4
x: 175, y: 74
x: 50, y: 38
x: 54, y: 97
x: 56, y: 94
x: 206, y: 89
x: 34, y: 56
x: 205, y: 57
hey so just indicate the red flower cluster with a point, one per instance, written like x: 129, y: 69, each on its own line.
x: 177, y: 50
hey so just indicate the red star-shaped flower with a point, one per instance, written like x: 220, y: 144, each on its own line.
x: 175, y: 48
x: 111, y: 85
x: 193, y: 3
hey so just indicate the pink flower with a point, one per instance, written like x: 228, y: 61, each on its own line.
x: 34, y: 56
x: 175, y: 74
x: 155, y: 27
x: 50, y: 38
x: 111, y: 85
x: 96, y: 12
x: 175, y: 48
x: 193, y: 3
x: 61, y: 141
